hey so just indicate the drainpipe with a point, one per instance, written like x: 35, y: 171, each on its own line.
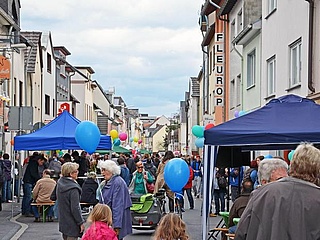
x: 310, y: 50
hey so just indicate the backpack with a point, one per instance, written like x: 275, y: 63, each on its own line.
x: 2, y: 175
x: 222, y: 182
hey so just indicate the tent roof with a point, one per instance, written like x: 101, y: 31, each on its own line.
x: 282, y: 123
x: 116, y: 149
x: 58, y: 134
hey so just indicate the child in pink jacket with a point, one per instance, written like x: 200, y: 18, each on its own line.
x: 101, y: 220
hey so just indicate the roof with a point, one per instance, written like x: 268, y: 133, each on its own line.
x: 195, y: 87
x: 208, y: 8
x: 209, y: 35
x: 58, y: 134
x: 30, y: 58
x: 226, y: 7
x: 283, y: 123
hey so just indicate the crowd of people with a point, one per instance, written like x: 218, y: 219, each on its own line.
x: 268, y: 189
x: 77, y: 178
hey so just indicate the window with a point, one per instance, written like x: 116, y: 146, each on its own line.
x: 239, y: 22
x: 238, y: 90
x: 47, y: 104
x: 232, y: 93
x: 251, y: 69
x: 271, y: 75
x: 295, y: 63
x: 233, y: 30
x: 48, y: 63
x: 272, y: 5
x: 210, y: 62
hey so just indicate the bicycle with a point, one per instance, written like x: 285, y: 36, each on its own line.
x: 177, y: 206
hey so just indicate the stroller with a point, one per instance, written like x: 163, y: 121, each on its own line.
x: 147, y: 210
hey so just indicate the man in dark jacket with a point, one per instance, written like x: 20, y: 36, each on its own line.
x: 240, y: 204
x: 6, y: 189
x: 31, y: 176
x: 89, y: 189
x: 71, y: 223
x: 287, y: 208
x: 81, y: 161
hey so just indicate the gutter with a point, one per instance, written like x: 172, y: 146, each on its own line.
x: 310, y: 48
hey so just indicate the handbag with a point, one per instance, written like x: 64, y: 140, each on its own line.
x: 150, y: 187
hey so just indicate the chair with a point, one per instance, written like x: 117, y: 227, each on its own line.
x: 222, y: 227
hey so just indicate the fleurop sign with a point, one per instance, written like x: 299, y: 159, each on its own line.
x: 4, y: 68
x: 219, y: 69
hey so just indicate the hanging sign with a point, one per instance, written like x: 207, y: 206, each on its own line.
x: 4, y: 68
x: 219, y: 69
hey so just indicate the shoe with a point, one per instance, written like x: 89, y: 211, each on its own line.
x: 37, y: 220
x: 182, y: 210
x: 191, y: 208
x: 9, y: 201
x: 213, y: 215
x: 29, y: 215
x: 50, y: 219
x: 198, y: 196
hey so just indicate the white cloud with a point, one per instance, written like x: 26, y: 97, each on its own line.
x: 146, y: 49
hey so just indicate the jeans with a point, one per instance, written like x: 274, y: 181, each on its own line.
x: 55, y: 209
x: 190, y: 198
x: 17, y: 187
x: 233, y: 229
x: 196, y: 185
x: 219, y: 200
x: 26, y: 200
x: 6, y: 191
x: 234, y: 192
x: 36, y: 212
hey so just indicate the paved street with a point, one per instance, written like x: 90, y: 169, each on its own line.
x: 25, y: 229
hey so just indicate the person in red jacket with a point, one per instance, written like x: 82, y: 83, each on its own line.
x: 187, y: 188
x: 101, y: 221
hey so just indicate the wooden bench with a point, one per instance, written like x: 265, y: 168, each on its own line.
x: 45, y: 206
x: 230, y: 236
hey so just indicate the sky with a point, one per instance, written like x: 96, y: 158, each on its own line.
x: 147, y: 50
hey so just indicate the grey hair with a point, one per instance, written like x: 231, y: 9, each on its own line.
x: 267, y: 166
x: 305, y: 163
x: 110, y: 166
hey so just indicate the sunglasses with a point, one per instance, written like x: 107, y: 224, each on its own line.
x: 139, y: 167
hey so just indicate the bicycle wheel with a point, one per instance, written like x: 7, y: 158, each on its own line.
x: 178, y: 208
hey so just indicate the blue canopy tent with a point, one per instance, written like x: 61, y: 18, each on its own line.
x: 282, y: 123
x: 58, y: 134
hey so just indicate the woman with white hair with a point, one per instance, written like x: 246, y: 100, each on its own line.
x: 114, y: 192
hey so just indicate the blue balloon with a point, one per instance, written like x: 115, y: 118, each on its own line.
x: 131, y: 139
x: 199, y: 142
x: 176, y: 174
x: 87, y: 136
x: 268, y: 156
x: 116, y: 142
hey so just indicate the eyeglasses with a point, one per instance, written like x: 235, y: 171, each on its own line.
x: 139, y: 167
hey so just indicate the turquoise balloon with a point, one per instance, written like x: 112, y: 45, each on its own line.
x: 290, y: 155
x: 131, y: 139
x: 198, y: 131
x: 116, y: 142
x: 87, y: 136
x: 199, y: 142
x: 241, y: 113
x: 176, y: 174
